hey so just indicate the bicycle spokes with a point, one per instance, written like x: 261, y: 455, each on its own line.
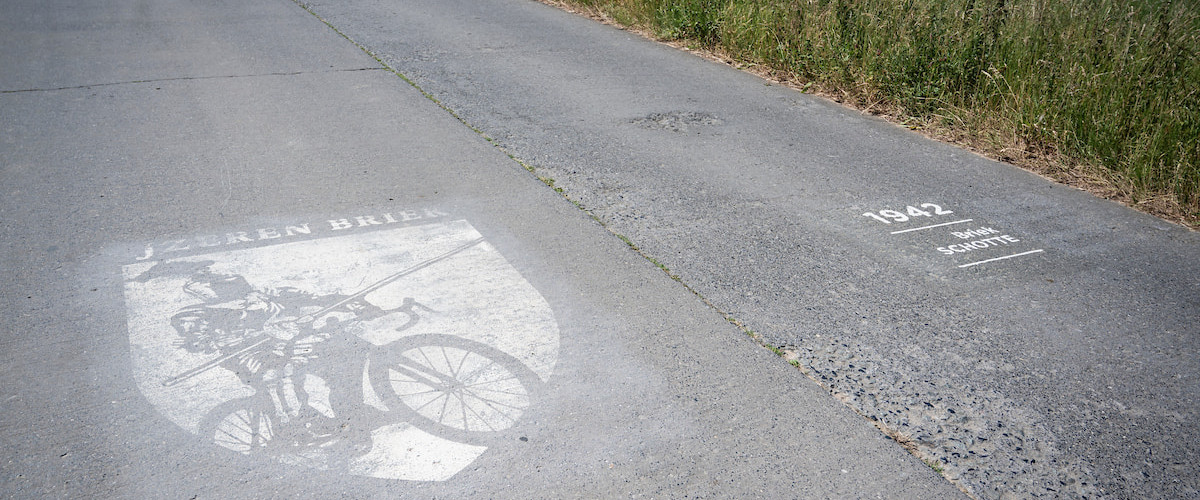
x: 458, y: 388
x: 244, y: 430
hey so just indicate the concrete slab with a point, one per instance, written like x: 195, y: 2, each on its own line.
x: 58, y: 44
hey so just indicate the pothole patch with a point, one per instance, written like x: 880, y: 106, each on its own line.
x: 677, y: 121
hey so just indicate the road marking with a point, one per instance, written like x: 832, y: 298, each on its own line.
x: 401, y: 352
x: 1002, y: 258
x: 933, y: 226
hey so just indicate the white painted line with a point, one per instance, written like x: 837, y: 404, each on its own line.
x: 933, y: 226
x: 1002, y: 258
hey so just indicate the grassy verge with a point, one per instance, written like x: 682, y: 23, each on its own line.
x: 1100, y: 94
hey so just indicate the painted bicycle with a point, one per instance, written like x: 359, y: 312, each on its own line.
x: 320, y: 390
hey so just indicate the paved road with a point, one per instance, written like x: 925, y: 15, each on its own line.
x: 1066, y: 368
x: 245, y: 260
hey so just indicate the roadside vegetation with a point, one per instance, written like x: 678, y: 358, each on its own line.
x: 1100, y: 94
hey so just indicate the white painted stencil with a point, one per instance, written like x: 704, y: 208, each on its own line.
x: 980, y: 243
x: 397, y: 353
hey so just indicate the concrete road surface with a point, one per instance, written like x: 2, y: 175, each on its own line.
x: 243, y: 259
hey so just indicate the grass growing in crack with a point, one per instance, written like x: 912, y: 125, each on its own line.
x: 629, y: 242
x: 664, y: 268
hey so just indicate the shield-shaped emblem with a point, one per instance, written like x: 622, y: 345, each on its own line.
x: 395, y: 353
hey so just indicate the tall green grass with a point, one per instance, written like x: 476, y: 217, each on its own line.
x: 1103, y: 82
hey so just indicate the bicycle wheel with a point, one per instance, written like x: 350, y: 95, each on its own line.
x: 242, y: 425
x: 454, y: 388
x: 249, y: 426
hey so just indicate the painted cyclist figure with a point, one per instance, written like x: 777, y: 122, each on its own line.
x: 266, y: 337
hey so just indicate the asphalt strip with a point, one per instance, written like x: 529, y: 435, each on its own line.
x: 1025, y: 337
